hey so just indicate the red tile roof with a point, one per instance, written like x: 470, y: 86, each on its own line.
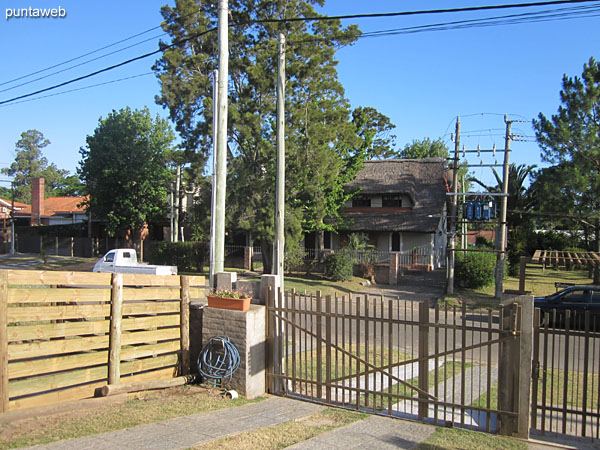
x: 57, y: 205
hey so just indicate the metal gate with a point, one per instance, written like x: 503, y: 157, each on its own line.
x: 566, y: 385
x: 389, y: 356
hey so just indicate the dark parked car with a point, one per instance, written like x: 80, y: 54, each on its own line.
x: 576, y: 299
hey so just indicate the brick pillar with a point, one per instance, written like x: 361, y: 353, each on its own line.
x: 37, y: 200
x: 393, y: 276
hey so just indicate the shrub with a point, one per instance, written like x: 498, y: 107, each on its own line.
x: 293, y: 258
x: 187, y: 256
x: 338, y: 266
x: 475, y: 270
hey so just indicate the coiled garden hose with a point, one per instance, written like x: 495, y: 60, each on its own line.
x: 218, y: 360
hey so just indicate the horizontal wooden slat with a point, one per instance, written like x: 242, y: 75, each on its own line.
x: 136, y: 323
x: 45, y: 277
x: 134, y: 279
x: 53, y: 295
x: 150, y: 308
x: 151, y: 293
x: 47, y: 348
x: 149, y: 350
x: 51, y: 398
x: 197, y: 280
x: 58, y: 312
x: 141, y: 337
x: 161, y: 374
x: 45, y: 383
x: 57, y: 330
x: 56, y: 364
x: 198, y: 292
x: 141, y: 365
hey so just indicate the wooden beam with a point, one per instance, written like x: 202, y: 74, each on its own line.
x: 145, y: 385
x: 116, y: 316
x: 184, y: 326
x: 3, y: 341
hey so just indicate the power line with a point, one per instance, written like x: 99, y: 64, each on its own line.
x: 80, y: 89
x: 317, y: 18
x: 78, y: 65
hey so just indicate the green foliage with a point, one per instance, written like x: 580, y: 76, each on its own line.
x: 187, y: 256
x: 326, y: 143
x: 123, y: 169
x: 294, y: 255
x: 475, y: 270
x: 570, y: 140
x: 480, y: 241
x: 425, y: 148
x: 338, y: 266
x: 30, y: 163
x: 228, y: 293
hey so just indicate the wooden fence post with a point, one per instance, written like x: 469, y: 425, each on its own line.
x: 270, y: 340
x: 116, y: 315
x: 3, y: 341
x: 319, y: 346
x: 184, y: 324
x: 423, y: 358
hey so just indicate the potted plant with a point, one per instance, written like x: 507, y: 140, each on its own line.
x: 229, y: 299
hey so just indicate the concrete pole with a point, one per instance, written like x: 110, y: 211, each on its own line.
x: 279, y: 246
x: 176, y: 203
x: 503, y: 202
x: 221, y: 162
x: 453, y: 212
x: 213, y: 202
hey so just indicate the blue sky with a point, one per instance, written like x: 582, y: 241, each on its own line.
x: 422, y: 81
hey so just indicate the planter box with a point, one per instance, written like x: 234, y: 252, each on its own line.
x: 237, y: 304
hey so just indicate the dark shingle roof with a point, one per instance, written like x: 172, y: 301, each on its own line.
x: 423, y: 180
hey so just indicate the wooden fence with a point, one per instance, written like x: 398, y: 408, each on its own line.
x: 65, y: 334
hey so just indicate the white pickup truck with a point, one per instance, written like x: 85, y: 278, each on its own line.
x: 124, y: 260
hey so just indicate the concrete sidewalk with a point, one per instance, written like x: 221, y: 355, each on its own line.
x: 374, y: 432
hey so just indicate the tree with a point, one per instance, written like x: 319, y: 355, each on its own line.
x: 425, y: 148
x: 519, y: 197
x: 570, y: 140
x: 30, y: 163
x: 123, y: 169
x: 323, y: 145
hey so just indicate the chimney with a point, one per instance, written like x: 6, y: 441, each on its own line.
x: 37, y: 201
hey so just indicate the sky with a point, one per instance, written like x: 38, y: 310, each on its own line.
x: 421, y: 81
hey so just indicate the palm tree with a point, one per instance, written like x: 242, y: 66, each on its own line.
x: 519, y: 199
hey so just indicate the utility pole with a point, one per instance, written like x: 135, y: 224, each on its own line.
x: 12, y: 218
x: 221, y: 162
x: 454, y: 211
x: 279, y: 246
x: 213, y: 200
x: 172, y: 217
x: 501, y: 246
x: 463, y: 234
x: 176, y: 203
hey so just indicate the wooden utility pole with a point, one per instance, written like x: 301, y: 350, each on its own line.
x: 501, y: 240
x: 279, y: 246
x: 221, y: 162
x: 453, y: 212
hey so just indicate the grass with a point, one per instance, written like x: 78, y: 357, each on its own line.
x: 143, y: 408
x: 538, y: 280
x: 289, y: 433
x: 455, y: 439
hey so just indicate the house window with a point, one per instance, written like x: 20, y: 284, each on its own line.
x: 391, y: 201
x: 395, y: 241
x: 361, y: 201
